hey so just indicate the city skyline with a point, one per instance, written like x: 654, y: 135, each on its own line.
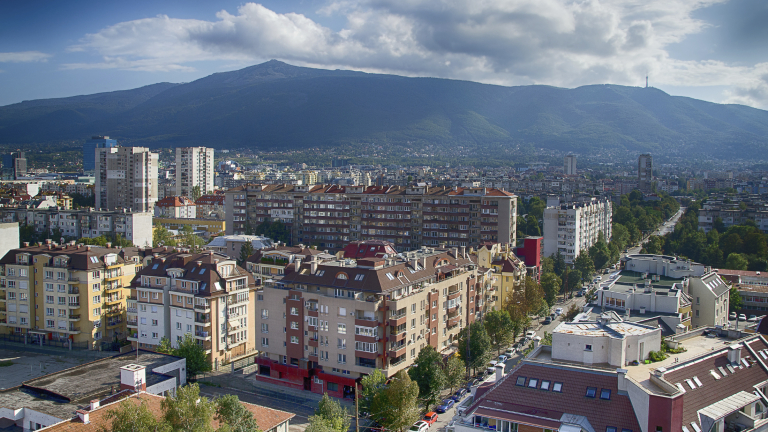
x: 709, y: 50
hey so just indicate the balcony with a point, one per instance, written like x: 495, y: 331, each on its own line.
x: 73, y: 305
x: 203, y: 320
x: 73, y: 290
x: 133, y: 337
x: 114, y: 323
x: 397, y: 351
x: 130, y: 323
x: 453, y: 322
x: 73, y: 330
x: 398, y: 320
x: 203, y: 335
x: 203, y: 307
x: 454, y: 295
x: 74, y: 317
x: 132, y: 310
x: 73, y: 280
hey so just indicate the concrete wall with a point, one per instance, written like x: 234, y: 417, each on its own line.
x: 9, y: 237
x: 180, y: 365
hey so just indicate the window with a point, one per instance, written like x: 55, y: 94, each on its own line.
x: 154, y: 309
x: 591, y: 392
x: 342, y: 343
x: 342, y: 359
x: 154, y: 322
x: 294, y: 339
x: 178, y: 326
x: 264, y: 328
x: 294, y: 311
x: 264, y: 342
x: 333, y: 386
x: 342, y: 329
x: 532, y: 383
x: 264, y: 313
x: 630, y: 430
x: 544, y: 385
x: 588, y: 347
x: 610, y: 429
x: 294, y: 325
x: 557, y: 387
x: 342, y: 311
x: 520, y: 381
x: 154, y: 335
x: 605, y: 394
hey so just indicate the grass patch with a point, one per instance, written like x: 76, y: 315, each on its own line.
x: 6, y: 363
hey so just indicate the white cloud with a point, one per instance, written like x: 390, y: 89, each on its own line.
x: 555, y: 42
x: 23, y: 57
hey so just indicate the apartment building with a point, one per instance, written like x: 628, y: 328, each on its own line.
x: 66, y: 292
x: 645, y: 172
x: 508, y: 272
x: 179, y: 207
x: 210, y: 206
x: 89, y: 151
x: 574, y: 227
x: 203, y: 294
x: 325, y: 324
x: 87, y: 223
x: 406, y: 216
x: 126, y: 178
x: 732, y: 210
x: 194, y: 168
x: 569, y: 165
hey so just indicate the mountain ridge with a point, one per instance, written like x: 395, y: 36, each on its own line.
x: 275, y: 104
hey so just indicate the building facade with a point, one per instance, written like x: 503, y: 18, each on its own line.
x: 205, y: 295
x: 89, y: 151
x: 569, y: 165
x: 326, y: 324
x: 14, y: 166
x: 574, y: 227
x: 66, y: 292
x: 179, y: 207
x: 645, y: 172
x: 407, y: 216
x: 133, y: 226
x: 126, y: 178
x: 194, y: 168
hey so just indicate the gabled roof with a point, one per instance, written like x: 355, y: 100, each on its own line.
x: 713, y: 390
x: 211, y: 200
x: 175, y: 201
x: 546, y: 408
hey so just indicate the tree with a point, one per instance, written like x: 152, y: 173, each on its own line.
x: 189, y: 238
x: 197, y: 359
x: 332, y: 414
x: 396, y: 408
x: 736, y: 261
x: 734, y: 301
x: 454, y: 372
x: 164, y: 346
x: 427, y: 372
x: 162, y: 237
x: 498, y: 325
x: 558, y: 263
x: 246, y: 250
x: 372, y: 383
x: 571, y: 313
x: 133, y: 415
x: 479, y: 346
x: 187, y: 411
x: 584, y: 265
x: 196, y: 193
x: 233, y: 416
x: 275, y: 230
x: 547, y: 265
x: 550, y: 284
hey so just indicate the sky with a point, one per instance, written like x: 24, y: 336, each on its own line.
x: 715, y: 50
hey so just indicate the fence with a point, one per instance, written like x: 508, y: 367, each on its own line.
x: 52, y: 343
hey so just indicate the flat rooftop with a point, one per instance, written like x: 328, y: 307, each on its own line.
x: 83, y: 383
x: 695, y: 346
x: 610, y: 329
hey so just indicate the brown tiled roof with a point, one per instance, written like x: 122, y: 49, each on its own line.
x: 295, y: 250
x: 210, y: 200
x: 175, y: 201
x: 373, y: 280
x: 714, y: 390
x: 266, y: 418
x: 79, y: 257
x: 540, y: 405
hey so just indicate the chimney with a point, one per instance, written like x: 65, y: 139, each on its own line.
x: 622, y: 375
x: 88, y: 248
x: 423, y: 262
x: 83, y: 416
x: 499, y: 371
x: 313, y: 265
x: 414, y: 262
x: 463, y: 251
x: 133, y: 377
x: 297, y: 263
x: 455, y: 252
x: 26, y: 244
x: 94, y: 404
x: 109, y: 245
x: 734, y: 354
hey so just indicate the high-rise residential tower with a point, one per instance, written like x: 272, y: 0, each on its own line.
x: 194, y: 167
x: 569, y: 167
x: 126, y: 178
x: 14, y: 166
x: 645, y: 172
x: 89, y: 151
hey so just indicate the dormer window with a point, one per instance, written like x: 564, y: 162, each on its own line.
x: 342, y: 276
x: 591, y: 393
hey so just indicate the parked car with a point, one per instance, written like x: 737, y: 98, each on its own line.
x: 430, y: 417
x: 459, y: 395
x: 752, y: 318
x: 503, y: 358
x: 530, y: 334
x: 510, y: 352
x: 742, y: 317
x: 733, y: 315
x: 559, y: 311
x: 445, y: 406
x: 548, y: 320
x: 419, y: 426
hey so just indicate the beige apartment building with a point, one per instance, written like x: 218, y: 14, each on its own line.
x: 203, y: 294
x: 326, y: 324
x: 126, y: 178
x: 66, y: 293
x: 194, y: 167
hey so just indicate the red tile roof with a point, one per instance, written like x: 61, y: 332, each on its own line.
x: 714, y: 390
x: 509, y: 399
x: 175, y: 201
x: 210, y: 200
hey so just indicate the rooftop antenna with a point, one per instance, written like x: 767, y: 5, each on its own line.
x: 646, y: 80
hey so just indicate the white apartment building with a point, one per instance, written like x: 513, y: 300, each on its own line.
x: 574, y: 227
x: 126, y: 178
x: 194, y: 167
x: 133, y: 226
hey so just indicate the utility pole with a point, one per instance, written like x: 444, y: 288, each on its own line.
x: 357, y: 410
